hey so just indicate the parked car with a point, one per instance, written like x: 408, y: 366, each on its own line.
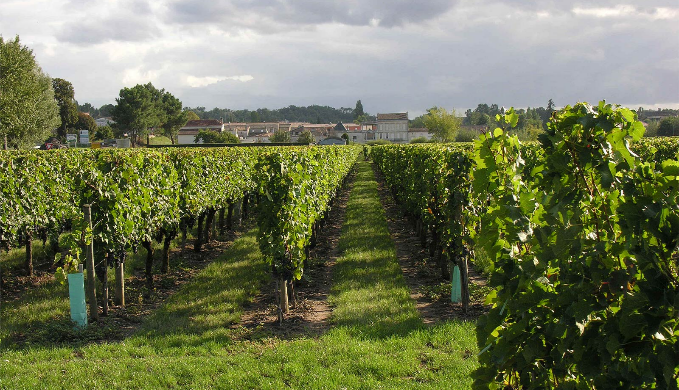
x: 108, y: 143
x: 53, y: 143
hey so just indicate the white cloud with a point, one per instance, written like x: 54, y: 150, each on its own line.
x: 659, y: 13
x: 197, y: 82
x: 666, y: 13
x: 134, y: 76
x: 621, y: 10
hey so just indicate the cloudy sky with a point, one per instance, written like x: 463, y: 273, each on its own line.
x: 394, y: 55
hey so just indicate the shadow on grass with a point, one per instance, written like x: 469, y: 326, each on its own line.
x: 37, y: 309
x: 203, y: 309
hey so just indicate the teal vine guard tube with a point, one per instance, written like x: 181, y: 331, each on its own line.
x: 456, y: 286
x: 76, y: 292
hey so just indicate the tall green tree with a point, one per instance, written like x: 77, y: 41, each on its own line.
x: 88, y: 108
x: 137, y: 110
x: 280, y: 136
x: 86, y: 122
x: 417, y: 122
x: 106, y: 110
x: 191, y: 116
x: 443, y: 125
x: 28, y: 111
x: 103, y: 132
x: 669, y: 126
x: 360, y: 119
x: 174, y: 116
x: 306, y: 138
x: 358, y: 111
x: 68, y: 109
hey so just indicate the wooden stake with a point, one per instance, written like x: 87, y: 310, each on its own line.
x: 104, y: 290
x: 149, y: 263
x: 229, y: 217
x: 165, y: 266
x: 120, y: 283
x: 245, y: 207
x: 283, y: 306
x: 199, y: 232
x: 464, y: 276
x: 29, y: 253
x: 91, y: 279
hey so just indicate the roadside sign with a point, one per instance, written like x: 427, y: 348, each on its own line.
x: 84, y: 136
x: 71, y: 139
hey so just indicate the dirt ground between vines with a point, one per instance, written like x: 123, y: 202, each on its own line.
x: 418, y: 274
x: 310, y: 312
x: 310, y: 316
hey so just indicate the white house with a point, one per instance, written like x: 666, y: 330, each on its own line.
x: 187, y: 134
x: 392, y: 127
x: 418, y: 132
x: 104, y: 121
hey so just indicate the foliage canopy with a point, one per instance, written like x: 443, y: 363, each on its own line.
x: 28, y: 111
x: 443, y: 125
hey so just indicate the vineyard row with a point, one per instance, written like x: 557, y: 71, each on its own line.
x: 582, y: 229
x: 140, y: 195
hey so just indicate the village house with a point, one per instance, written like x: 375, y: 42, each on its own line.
x: 418, y: 132
x: 392, y: 127
x: 353, y: 132
x: 187, y: 134
x: 240, y: 129
x: 319, y: 131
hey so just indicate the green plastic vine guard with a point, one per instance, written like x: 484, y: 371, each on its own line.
x: 76, y: 293
x: 456, y: 286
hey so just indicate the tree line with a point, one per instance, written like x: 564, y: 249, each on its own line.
x: 35, y: 107
x: 292, y: 113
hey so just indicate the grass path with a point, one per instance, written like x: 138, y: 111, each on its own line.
x: 377, y: 339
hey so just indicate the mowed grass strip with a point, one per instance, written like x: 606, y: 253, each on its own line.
x: 378, y: 339
x: 370, y: 297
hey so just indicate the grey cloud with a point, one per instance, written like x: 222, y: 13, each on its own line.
x: 577, y: 60
x: 522, y: 61
x: 265, y: 15
x: 110, y: 29
x: 132, y: 21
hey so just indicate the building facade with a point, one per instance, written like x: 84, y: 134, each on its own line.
x: 392, y: 127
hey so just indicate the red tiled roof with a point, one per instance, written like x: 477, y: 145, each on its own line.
x: 392, y: 116
x: 204, y: 123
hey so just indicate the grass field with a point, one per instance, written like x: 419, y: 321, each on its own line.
x: 377, y: 339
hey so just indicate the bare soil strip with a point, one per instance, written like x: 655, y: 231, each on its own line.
x: 310, y: 311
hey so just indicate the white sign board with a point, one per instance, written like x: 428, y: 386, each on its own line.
x: 84, y: 136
